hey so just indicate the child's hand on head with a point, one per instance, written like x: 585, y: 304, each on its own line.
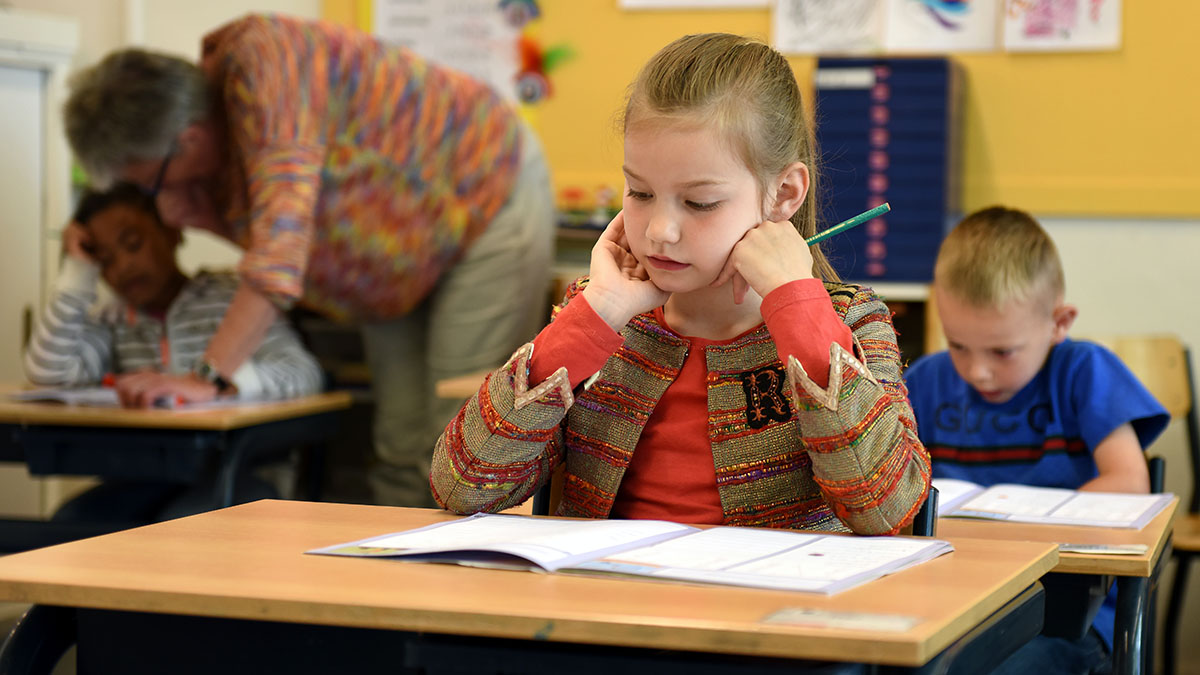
x: 768, y: 256
x: 77, y: 243
x: 619, y: 287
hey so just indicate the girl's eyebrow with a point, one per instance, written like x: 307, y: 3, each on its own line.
x: 703, y: 182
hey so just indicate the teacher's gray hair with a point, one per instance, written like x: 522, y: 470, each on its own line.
x: 130, y: 106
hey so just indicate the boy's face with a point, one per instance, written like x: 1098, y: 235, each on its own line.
x: 1000, y: 350
x: 688, y: 199
x: 136, y: 255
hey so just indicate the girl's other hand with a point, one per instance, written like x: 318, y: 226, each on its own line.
x: 768, y: 256
x: 77, y: 242
x: 619, y: 287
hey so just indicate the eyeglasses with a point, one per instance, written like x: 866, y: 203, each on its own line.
x: 162, y: 171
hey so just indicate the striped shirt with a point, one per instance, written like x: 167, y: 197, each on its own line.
x: 77, y: 341
x: 363, y: 171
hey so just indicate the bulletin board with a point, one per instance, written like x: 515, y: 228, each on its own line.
x: 1082, y: 133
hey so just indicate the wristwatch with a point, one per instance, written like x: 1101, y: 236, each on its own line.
x: 205, y: 370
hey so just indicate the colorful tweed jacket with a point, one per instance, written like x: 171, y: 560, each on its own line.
x: 847, y: 457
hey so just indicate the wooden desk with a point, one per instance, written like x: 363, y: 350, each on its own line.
x: 247, y: 562
x: 225, y: 418
x: 1136, y: 574
x: 165, y: 445
x: 463, y: 386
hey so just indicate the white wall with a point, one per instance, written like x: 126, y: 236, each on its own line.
x: 1141, y: 276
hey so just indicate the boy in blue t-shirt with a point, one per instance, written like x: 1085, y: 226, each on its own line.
x: 1014, y: 400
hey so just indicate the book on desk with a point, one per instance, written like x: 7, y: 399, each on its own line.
x: 1049, y: 506
x: 106, y: 397
x: 758, y: 558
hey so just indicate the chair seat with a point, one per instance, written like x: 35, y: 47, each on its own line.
x: 1187, y: 533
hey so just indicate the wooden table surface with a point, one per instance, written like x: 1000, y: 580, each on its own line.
x: 248, y: 562
x: 463, y: 386
x: 221, y: 418
x: 1153, y: 535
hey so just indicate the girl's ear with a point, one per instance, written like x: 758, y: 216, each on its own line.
x: 791, y: 187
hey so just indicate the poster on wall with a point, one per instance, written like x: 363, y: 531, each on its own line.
x: 940, y: 25
x: 1062, y: 25
x: 692, y: 4
x: 827, y: 26
x: 473, y: 36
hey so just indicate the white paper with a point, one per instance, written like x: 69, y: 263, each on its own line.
x: 1062, y: 25
x: 470, y: 35
x: 778, y: 559
x: 1057, y: 506
x: 836, y: 558
x: 1107, y: 507
x: 547, y: 542
x: 1018, y: 500
x: 827, y: 26
x: 716, y: 548
x: 104, y: 397
x: 775, y: 559
x: 924, y: 26
x: 953, y: 492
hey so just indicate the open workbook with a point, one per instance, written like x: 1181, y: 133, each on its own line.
x: 93, y: 396
x: 106, y: 397
x: 1051, y: 506
x: 776, y: 559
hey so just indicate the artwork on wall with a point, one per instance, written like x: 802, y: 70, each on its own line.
x: 935, y: 26
x: 692, y: 4
x: 1062, y: 25
x: 940, y: 25
x: 824, y: 26
x: 492, y: 40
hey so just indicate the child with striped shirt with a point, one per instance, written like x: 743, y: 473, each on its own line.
x: 162, y: 319
x: 160, y: 322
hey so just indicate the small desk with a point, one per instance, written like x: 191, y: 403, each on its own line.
x: 463, y: 386
x: 1135, y: 573
x: 168, y: 445
x: 247, y: 563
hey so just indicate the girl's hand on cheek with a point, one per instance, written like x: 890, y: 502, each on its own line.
x: 619, y: 287
x: 768, y: 256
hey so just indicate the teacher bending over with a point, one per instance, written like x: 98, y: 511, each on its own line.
x: 362, y: 181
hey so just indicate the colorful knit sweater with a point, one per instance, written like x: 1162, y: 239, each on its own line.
x: 358, y: 171
x: 848, y: 457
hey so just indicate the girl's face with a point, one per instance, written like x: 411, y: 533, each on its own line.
x: 688, y: 199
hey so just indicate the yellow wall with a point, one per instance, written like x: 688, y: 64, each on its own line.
x: 1108, y: 133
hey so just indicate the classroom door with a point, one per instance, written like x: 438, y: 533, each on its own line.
x: 22, y: 197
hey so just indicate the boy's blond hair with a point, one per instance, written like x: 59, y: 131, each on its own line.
x: 997, y: 255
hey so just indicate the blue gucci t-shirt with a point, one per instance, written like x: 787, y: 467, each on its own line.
x: 1044, y: 435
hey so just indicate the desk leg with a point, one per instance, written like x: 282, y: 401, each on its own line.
x: 1130, y: 625
x: 1149, y: 637
x: 38, y: 640
x: 239, y: 447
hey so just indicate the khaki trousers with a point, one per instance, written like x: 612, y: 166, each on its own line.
x: 490, y: 303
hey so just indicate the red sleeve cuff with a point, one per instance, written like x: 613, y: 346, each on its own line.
x: 803, y: 323
x: 577, y: 339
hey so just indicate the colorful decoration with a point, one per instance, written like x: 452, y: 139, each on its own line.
x: 532, y: 79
